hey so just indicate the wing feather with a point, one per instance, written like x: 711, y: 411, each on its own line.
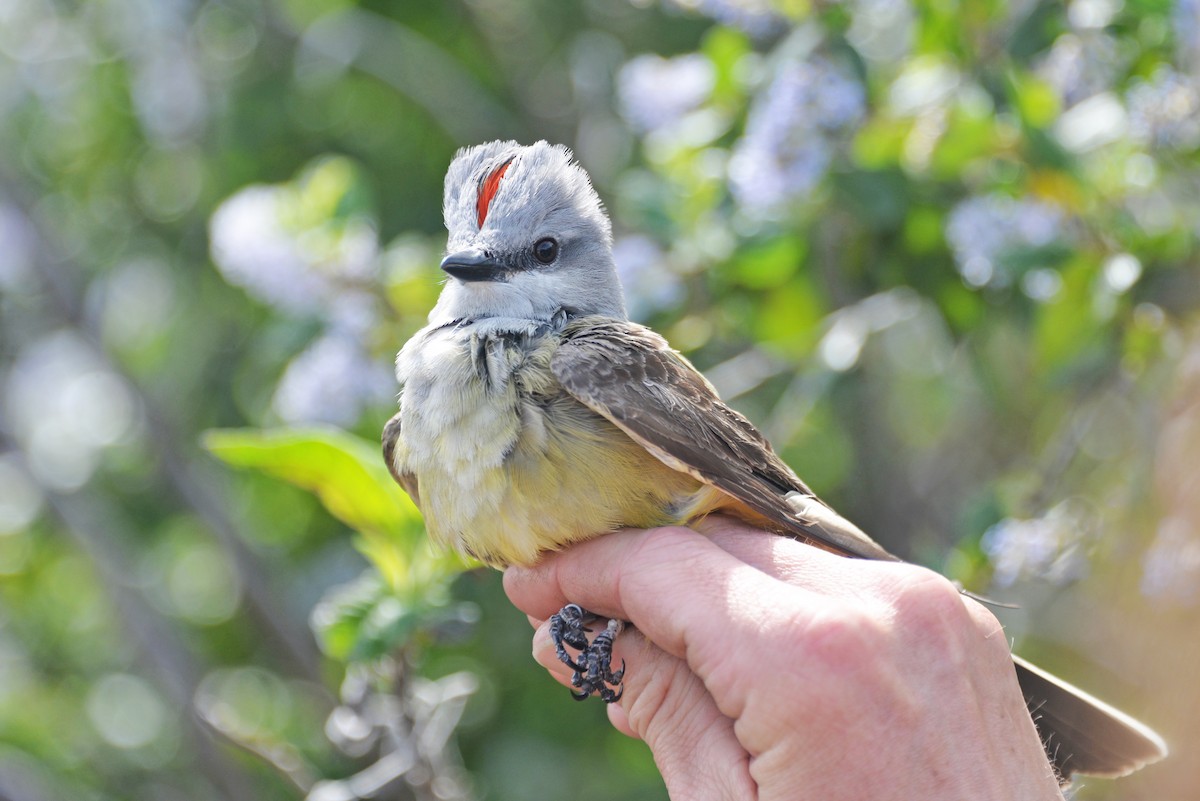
x: 630, y: 375
x: 407, y: 481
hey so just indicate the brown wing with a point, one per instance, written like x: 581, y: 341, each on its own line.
x: 630, y: 375
x: 391, y: 433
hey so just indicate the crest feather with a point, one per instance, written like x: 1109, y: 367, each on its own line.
x: 487, y: 191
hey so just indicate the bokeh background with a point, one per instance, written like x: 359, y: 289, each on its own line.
x: 942, y: 251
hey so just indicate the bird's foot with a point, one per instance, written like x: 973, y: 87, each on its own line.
x: 566, y: 628
x: 592, y: 666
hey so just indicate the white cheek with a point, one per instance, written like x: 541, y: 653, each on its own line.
x: 544, y: 291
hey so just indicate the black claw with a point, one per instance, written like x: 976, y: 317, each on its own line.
x: 591, y: 668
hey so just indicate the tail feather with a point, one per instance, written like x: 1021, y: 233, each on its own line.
x: 1083, y: 734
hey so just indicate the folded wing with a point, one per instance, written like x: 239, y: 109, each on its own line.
x: 630, y: 375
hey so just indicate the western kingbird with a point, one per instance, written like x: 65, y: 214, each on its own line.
x: 534, y: 414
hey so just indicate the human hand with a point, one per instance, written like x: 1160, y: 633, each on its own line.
x: 764, y: 668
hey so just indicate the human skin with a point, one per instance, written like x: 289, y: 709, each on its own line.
x: 764, y: 668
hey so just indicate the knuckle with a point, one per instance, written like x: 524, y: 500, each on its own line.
x: 848, y: 637
x: 990, y: 629
x: 931, y: 614
x: 925, y: 600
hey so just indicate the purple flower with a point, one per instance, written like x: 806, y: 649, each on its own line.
x: 1080, y: 65
x: 1165, y: 111
x: 790, y: 134
x: 288, y: 246
x: 649, y: 284
x: 253, y: 250
x: 332, y: 382
x: 755, y: 17
x: 982, y: 231
x: 1050, y: 548
x: 655, y: 92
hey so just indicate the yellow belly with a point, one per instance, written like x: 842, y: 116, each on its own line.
x: 571, y: 476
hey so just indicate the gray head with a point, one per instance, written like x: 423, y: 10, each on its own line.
x: 528, y: 237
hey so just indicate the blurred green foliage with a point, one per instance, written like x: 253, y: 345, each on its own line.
x: 943, y: 253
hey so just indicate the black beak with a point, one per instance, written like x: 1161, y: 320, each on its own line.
x: 472, y: 265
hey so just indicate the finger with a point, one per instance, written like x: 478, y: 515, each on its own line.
x: 780, y: 557
x: 667, y: 706
x: 620, y: 720
x: 545, y: 654
x: 803, y: 565
x: 537, y: 591
x: 671, y: 583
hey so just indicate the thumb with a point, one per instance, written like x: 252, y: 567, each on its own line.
x: 667, y: 705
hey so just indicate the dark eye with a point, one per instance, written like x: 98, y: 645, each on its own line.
x: 545, y: 250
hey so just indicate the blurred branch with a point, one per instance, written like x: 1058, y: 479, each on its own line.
x: 415, y: 728
x: 283, y: 757
x: 186, y: 476
x: 411, y: 729
x: 745, y: 372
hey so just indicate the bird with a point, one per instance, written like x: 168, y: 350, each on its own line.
x: 535, y: 414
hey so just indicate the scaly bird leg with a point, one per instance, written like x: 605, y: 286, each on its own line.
x: 593, y: 673
x: 566, y: 628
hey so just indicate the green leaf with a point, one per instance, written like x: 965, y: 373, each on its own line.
x: 1067, y: 335
x: 365, y: 619
x: 725, y: 48
x: 970, y: 135
x: 923, y: 230
x: 788, y: 319
x: 879, y: 197
x: 770, y: 264
x: 880, y: 143
x: 1036, y: 100
x: 348, y: 475
x: 346, y: 472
